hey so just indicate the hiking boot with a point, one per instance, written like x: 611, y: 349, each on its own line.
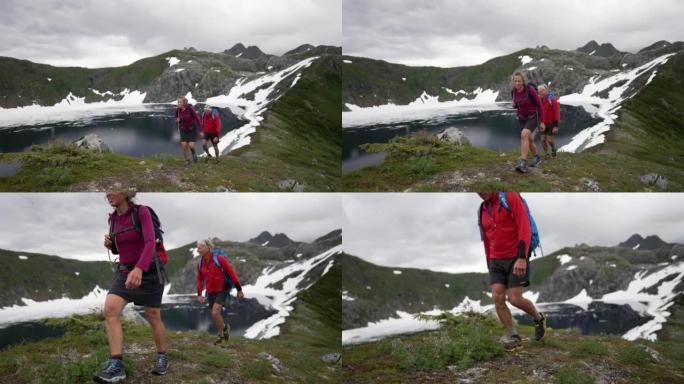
x: 513, y: 343
x: 187, y: 163
x: 540, y: 327
x: 113, y: 372
x: 553, y: 152
x: 522, y: 166
x: 226, y: 331
x: 535, y: 161
x: 162, y: 364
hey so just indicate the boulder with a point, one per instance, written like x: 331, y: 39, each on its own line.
x: 654, y: 179
x: 92, y: 141
x: 290, y: 185
x: 453, y: 135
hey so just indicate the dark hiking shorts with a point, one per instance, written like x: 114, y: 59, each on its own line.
x: 188, y: 136
x: 218, y: 298
x: 148, y: 294
x: 549, y: 129
x: 530, y: 123
x: 211, y: 136
x: 501, y: 272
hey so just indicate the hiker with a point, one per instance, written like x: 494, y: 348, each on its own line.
x: 551, y: 120
x: 506, y: 230
x: 215, y: 273
x: 530, y: 116
x: 137, y: 280
x: 188, y: 121
x: 211, y: 129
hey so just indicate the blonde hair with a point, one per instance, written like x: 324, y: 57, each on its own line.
x: 207, y: 242
x: 542, y: 86
x: 129, y: 192
x: 183, y: 99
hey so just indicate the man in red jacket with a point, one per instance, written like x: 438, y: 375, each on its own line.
x: 506, y: 234
x: 551, y: 120
x: 211, y: 129
x: 212, y: 269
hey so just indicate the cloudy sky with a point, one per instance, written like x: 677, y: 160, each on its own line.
x: 463, y: 32
x: 102, y: 33
x: 73, y: 225
x: 439, y: 231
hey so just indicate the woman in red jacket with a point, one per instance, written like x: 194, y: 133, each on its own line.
x: 551, y: 120
x: 213, y: 270
x: 211, y: 129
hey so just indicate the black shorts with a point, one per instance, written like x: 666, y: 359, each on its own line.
x: 211, y: 136
x: 549, y: 129
x: 530, y: 123
x: 148, y: 294
x: 218, y: 298
x: 501, y: 272
x: 189, y: 136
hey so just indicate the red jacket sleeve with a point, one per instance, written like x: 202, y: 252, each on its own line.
x: 485, y: 240
x: 522, y: 221
x: 200, y: 280
x: 229, y: 269
x: 556, y: 109
x: 148, y: 237
x: 217, y: 123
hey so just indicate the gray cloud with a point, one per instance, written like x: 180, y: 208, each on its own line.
x: 461, y: 32
x: 439, y: 231
x: 111, y: 33
x: 72, y: 225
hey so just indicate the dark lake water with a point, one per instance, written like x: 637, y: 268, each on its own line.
x: 496, y: 130
x: 138, y: 133
x: 599, y: 318
x: 185, y: 314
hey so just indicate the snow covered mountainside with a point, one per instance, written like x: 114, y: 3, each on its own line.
x: 274, y: 276
x: 375, y: 91
x: 647, y: 275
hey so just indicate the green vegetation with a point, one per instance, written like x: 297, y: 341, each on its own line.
x: 644, y: 139
x: 467, y: 348
x: 298, y: 139
x: 305, y: 336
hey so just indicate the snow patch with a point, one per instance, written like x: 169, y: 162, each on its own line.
x: 592, y: 52
x: 570, y: 268
x: 265, y: 244
x: 564, y: 259
x: 252, y: 110
x: 581, y: 300
x: 282, y: 299
x: 636, y: 246
x: 531, y: 296
x: 34, y: 310
x: 608, y: 106
x: 403, y: 79
x: 368, y: 287
x: 299, y: 75
x: 22, y: 257
x: 172, y: 61
x: 180, y: 69
x: 298, y: 255
x: 347, y: 61
x: 396, y: 272
x: 49, y: 79
x: 446, y: 285
x: 525, y: 59
x: 77, y: 273
x: 424, y: 107
x: 531, y: 68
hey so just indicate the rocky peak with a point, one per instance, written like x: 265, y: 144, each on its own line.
x: 301, y: 49
x: 657, y: 45
x: 603, y: 50
x: 235, y: 50
x: 253, y: 52
x: 652, y: 242
x: 589, y: 47
x: 278, y: 240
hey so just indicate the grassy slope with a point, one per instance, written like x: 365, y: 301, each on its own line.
x: 646, y: 138
x: 469, y: 345
x: 298, y: 139
x: 312, y: 329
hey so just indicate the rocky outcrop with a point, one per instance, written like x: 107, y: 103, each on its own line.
x: 92, y: 141
x: 453, y: 135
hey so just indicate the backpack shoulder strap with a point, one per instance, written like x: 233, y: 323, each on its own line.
x: 135, y: 216
x: 503, y: 201
x: 479, y: 220
x: 217, y: 253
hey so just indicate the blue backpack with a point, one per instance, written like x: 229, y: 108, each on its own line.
x: 503, y: 202
x: 218, y: 252
x: 552, y: 95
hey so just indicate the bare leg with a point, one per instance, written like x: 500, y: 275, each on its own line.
x: 544, y: 144
x: 515, y: 297
x: 206, y: 147
x: 499, y: 297
x: 186, y: 151
x: 153, y: 316
x: 524, y: 143
x: 114, y: 305
x: 215, y: 143
x: 533, y: 148
x: 218, y: 318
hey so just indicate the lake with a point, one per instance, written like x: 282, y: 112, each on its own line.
x: 496, y: 130
x: 140, y: 132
